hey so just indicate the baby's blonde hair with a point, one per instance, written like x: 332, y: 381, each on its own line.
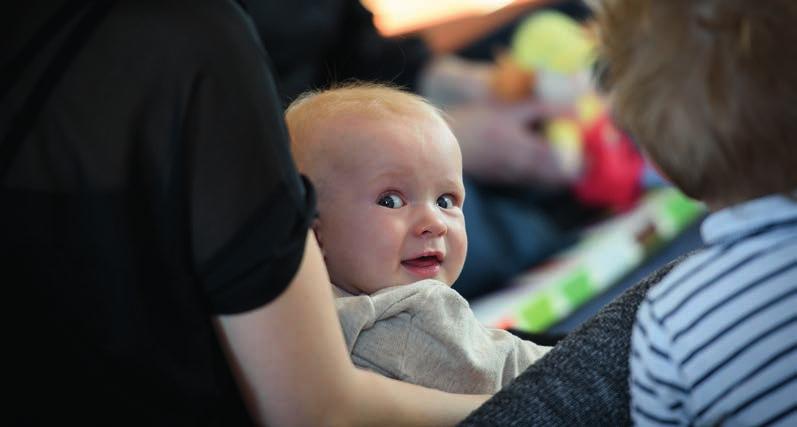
x: 353, y: 99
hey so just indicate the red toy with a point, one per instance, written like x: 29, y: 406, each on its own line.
x: 613, y: 167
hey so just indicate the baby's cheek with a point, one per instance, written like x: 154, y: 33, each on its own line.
x: 384, y: 242
x: 459, y: 249
x: 459, y: 236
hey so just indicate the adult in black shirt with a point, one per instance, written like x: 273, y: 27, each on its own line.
x: 153, y: 227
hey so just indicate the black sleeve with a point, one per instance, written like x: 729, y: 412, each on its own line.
x: 583, y: 381
x: 249, y: 210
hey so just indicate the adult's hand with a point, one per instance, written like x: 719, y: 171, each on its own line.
x: 501, y: 145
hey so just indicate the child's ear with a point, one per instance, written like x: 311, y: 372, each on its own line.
x: 316, y: 227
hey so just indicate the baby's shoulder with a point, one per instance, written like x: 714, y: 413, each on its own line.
x: 420, y: 298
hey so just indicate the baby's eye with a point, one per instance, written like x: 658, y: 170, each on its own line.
x: 445, y: 201
x: 392, y: 201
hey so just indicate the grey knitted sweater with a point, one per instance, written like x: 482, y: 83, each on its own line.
x: 583, y: 381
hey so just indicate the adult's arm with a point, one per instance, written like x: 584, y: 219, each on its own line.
x: 583, y: 381
x: 292, y: 366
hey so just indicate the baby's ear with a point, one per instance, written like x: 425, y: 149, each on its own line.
x: 316, y: 227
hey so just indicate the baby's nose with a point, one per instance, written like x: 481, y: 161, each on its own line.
x: 430, y: 223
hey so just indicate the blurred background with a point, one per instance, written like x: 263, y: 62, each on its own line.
x: 563, y: 212
x: 397, y: 17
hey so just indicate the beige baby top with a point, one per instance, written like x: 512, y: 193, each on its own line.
x: 425, y: 333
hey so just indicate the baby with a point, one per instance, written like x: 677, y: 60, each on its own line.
x: 707, y: 89
x: 388, y: 174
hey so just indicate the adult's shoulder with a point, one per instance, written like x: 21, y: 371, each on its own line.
x: 207, y: 31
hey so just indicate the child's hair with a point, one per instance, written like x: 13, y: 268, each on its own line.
x: 357, y: 99
x: 709, y: 89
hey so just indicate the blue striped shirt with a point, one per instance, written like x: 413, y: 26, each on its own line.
x: 716, y: 341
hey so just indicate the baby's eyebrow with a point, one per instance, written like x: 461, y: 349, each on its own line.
x: 402, y: 175
x: 454, y: 184
x: 392, y: 174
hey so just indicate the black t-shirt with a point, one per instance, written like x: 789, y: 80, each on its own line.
x: 155, y: 190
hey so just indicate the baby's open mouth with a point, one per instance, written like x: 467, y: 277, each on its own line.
x: 423, y: 261
x: 424, y: 267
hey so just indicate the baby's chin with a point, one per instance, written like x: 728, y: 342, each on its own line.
x: 415, y: 273
x: 359, y: 289
x: 411, y: 280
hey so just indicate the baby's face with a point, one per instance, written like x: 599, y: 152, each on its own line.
x: 391, y: 212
